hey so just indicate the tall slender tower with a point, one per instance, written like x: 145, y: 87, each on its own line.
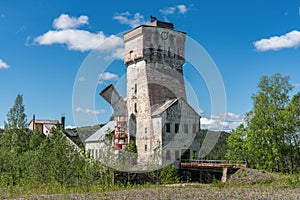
x: 154, y: 55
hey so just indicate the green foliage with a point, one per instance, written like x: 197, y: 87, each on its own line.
x: 236, y: 144
x: 219, y: 149
x: 168, y: 175
x: 16, y: 117
x: 193, y: 156
x: 270, y: 140
x: 112, y: 117
x: 131, y: 147
x: 32, y: 159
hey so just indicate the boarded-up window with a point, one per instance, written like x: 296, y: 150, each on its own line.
x: 176, y: 154
x: 168, y: 155
x: 194, y: 128
x: 186, y: 128
x: 168, y: 127
x: 176, y: 128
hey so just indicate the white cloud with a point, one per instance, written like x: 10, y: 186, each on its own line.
x: 2, y: 127
x: 118, y: 53
x: 296, y: 85
x: 70, y: 127
x: 80, y: 40
x: 180, y: 9
x: 288, y: 40
x: 168, y: 11
x: 201, y: 111
x: 3, y: 65
x: 90, y: 111
x: 76, y: 39
x: 224, y: 122
x: 107, y: 76
x: 64, y: 21
x: 133, y: 21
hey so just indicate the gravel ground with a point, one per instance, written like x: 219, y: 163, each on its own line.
x: 183, y: 192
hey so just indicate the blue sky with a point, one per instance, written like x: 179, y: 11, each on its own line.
x: 44, y: 44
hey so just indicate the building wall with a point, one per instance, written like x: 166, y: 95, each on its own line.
x: 39, y: 127
x: 139, y: 106
x: 188, y: 126
x: 94, y: 149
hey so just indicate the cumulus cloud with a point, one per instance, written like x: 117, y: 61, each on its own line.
x: 118, y: 53
x: 70, y: 127
x: 168, y: 11
x: 288, y: 40
x: 131, y: 20
x: 3, y: 65
x: 2, y: 127
x: 78, y: 40
x: 107, y: 76
x: 180, y: 9
x: 64, y: 21
x: 90, y: 111
x: 224, y: 122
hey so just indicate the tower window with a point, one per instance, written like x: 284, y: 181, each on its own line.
x: 135, y: 107
x: 131, y: 54
x: 135, y: 88
x: 145, y: 130
x: 146, y: 147
x: 168, y: 127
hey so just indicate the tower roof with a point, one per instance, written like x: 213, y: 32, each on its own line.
x: 162, y: 24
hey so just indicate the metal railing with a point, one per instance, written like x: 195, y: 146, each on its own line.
x: 213, y: 161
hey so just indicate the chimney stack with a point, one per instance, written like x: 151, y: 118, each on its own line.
x: 63, y: 119
x: 33, y: 122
